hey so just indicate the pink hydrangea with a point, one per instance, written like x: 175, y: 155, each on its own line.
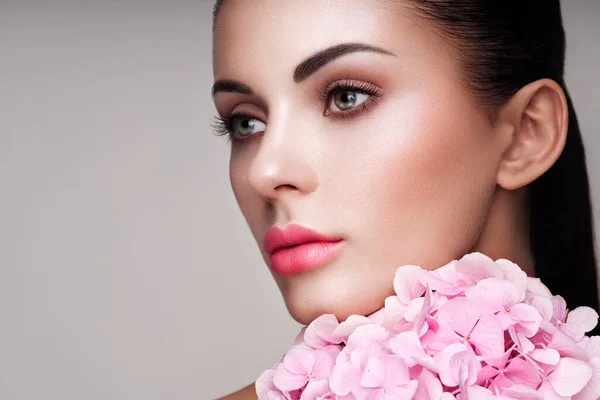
x: 472, y: 329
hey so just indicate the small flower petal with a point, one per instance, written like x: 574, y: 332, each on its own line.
x: 583, y: 315
x: 570, y: 376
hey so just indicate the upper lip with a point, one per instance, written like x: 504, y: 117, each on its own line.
x: 293, y: 234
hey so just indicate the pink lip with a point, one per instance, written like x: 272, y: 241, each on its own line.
x: 297, y: 249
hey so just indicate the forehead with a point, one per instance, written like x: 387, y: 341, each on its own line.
x: 268, y: 38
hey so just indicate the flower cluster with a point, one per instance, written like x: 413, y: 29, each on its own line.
x: 472, y: 329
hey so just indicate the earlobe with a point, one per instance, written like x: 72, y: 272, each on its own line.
x: 536, y: 119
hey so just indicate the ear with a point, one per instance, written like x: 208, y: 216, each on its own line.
x: 534, y: 126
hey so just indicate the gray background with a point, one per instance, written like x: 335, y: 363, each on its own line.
x: 126, y: 268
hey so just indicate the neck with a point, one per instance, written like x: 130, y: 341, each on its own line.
x: 506, y: 231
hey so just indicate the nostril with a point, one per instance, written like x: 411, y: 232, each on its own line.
x: 285, y: 186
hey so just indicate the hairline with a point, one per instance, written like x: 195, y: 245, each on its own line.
x: 216, y: 9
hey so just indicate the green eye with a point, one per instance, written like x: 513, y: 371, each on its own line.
x: 347, y: 99
x: 247, y: 126
x: 237, y: 125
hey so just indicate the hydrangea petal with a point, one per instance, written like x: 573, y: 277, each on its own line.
x: 529, y: 319
x: 344, y: 377
x: 300, y: 359
x: 477, y: 266
x: 285, y: 380
x: 408, y: 345
x: 584, y: 315
x: 373, y: 374
x: 318, y: 332
x: 407, y: 283
x: 366, y: 334
x: 429, y: 387
x: 324, y: 361
x: 514, y: 274
x: 570, y: 376
x: 317, y: 389
x: 543, y: 305
x: 345, y: 328
x: 592, y: 390
x: 535, y: 286
x: 460, y: 315
x: 576, y: 331
x: 396, y: 371
x: 592, y: 347
x: 567, y: 347
x: 488, y: 336
x: 399, y: 392
x: 522, y: 372
x: 560, y: 308
x: 480, y: 393
x: 522, y: 392
x: 264, y: 383
x: 494, y: 294
x: 465, y: 368
x: 449, y: 375
x: 546, y: 356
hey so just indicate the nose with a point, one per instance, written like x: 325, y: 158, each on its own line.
x: 284, y: 161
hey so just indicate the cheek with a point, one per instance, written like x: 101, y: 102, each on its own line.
x: 236, y: 178
x: 427, y: 184
x: 247, y: 199
x: 236, y: 174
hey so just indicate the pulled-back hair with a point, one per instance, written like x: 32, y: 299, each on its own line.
x: 502, y: 46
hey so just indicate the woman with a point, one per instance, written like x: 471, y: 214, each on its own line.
x: 401, y: 132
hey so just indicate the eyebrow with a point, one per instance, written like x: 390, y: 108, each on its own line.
x: 306, y: 68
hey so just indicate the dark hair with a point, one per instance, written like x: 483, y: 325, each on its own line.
x: 216, y: 9
x: 502, y: 46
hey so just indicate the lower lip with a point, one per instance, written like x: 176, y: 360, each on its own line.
x: 303, y: 257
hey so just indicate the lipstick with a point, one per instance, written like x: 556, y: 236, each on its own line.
x: 297, y: 249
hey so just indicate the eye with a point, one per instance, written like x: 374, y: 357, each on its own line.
x: 235, y: 126
x: 246, y: 125
x: 348, y: 99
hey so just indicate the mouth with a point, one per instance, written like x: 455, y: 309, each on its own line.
x: 297, y: 249
x: 303, y: 257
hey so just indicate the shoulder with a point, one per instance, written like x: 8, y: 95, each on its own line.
x: 246, y: 393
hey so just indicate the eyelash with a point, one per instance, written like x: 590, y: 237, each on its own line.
x: 223, y: 125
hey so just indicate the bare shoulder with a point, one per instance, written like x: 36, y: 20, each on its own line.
x: 246, y: 393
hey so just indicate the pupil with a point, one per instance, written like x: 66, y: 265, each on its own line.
x: 346, y: 99
x: 245, y: 127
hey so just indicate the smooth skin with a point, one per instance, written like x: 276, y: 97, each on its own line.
x: 422, y: 176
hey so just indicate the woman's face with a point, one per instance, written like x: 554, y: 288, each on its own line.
x: 401, y: 165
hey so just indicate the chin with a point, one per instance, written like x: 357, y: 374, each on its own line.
x: 306, y: 307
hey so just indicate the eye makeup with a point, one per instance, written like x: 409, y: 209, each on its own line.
x: 226, y: 125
